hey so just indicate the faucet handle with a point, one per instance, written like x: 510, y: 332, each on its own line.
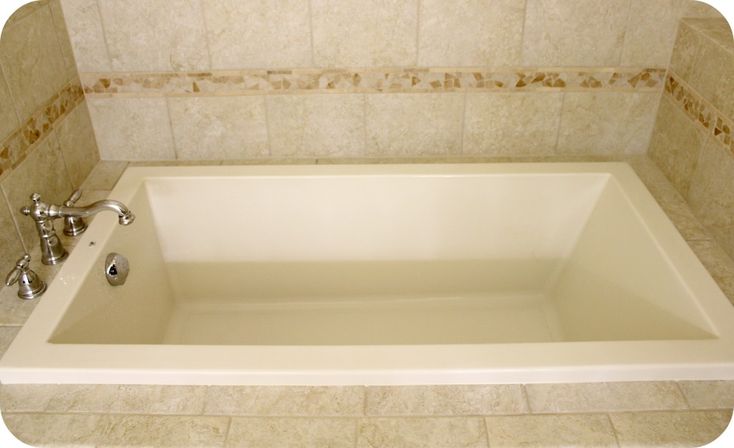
x: 74, y: 226
x: 29, y: 285
x: 75, y: 196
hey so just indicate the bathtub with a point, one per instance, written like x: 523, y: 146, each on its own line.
x: 380, y: 274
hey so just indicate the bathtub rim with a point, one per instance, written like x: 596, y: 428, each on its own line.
x: 379, y: 365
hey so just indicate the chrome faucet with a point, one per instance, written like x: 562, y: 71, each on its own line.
x: 52, y: 251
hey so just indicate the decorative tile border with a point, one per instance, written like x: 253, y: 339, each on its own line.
x: 17, y: 146
x: 706, y: 116
x: 370, y: 81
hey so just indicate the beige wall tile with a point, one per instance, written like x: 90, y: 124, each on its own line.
x: 8, y: 117
x: 704, y: 64
x: 43, y: 172
x: 291, y: 432
x: 155, y: 36
x: 7, y: 334
x: 607, y: 122
x: 669, y: 428
x: 599, y: 397
x: 25, y: 397
x: 56, y: 429
x: 421, y: 433
x: 511, y: 123
x: 364, y: 33
x: 258, y: 34
x: 651, y: 32
x: 711, y: 194
x: 32, y: 61
x: 316, y: 125
x: 676, y: 144
x: 718, y: 263
x: 285, y: 401
x: 414, y: 124
x: 162, y: 431
x: 132, y: 128
x: 445, y: 400
x: 219, y: 127
x: 574, y: 32
x: 104, y: 175
x: 78, y: 144
x: 9, y: 238
x: 474, y: 33
x: 86, y: 34
x: 700, y: 9
x: 62, y: 35
x: 551, y: 431
x: 709, y: 394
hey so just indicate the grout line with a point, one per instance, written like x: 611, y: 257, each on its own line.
x: 206, y: 34
x: 683, y: 394
x: 418, y: 8
x: 622, y: 51
x: 227, y: 431
x: 310, y: 34
x: 98, y: 4
x: 522, y: 32
x: 266, y: 104
x: 463, y: 123
x: 170, y: 129
x: 486, y: 431
x: 356, y: 432
x: 19, y: 234
x: 365, y: 146
x: 527, y: 398
x: 614, y: 430
x: 560, y: 124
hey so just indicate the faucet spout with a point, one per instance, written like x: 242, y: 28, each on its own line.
x: 126, y: 217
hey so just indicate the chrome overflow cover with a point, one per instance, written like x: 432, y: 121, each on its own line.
x: 116, y: 269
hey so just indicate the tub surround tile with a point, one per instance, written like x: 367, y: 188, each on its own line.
x: 14, y: 311
x: 670, y: 429
x: 104, y: 175
x: 607, y: 122
x: 675, y: 145
x: 32, y: 60
x: 31, y: 176
x: 268, y: 34
x: 718, y: 264
x: 7, y: 334
x: 10, y: 241
x: 697, y: 9
x: 574, y: 32
x: 445, y: 400
x: 421, y: 433
x: 548, y: 431
x: 711, y: 195
x: 8, y: 117
x: 511, y: 123
x: 219, y: 128
x: 708, y: 394
x: 603, y: 397
x: 473, y: 34
x: 291, y: 432
x: 414, y: 124
x: 284, y: 401
x: 316, y: 125
x: 155, y: 36
x: 132, y: 128
x: 372, y: 80
x: 162, y: 431
x: 78, y: 144
x: 372, y: 33
x: 651, y: 31
x: 62, y: 35
x: 84, y: 24
x: 56, y: 429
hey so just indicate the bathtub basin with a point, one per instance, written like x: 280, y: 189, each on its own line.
x: 379, y: 274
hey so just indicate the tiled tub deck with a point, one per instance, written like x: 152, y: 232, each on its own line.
x: 687, y: 413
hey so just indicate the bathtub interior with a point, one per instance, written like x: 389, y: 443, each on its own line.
x: 384, y: 260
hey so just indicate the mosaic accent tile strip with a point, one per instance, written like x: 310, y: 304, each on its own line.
x: 370, y: 81
x: 706, y: 116
x: 16, y: 147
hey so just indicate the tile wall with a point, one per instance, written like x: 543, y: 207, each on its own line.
x: 295, y: 79
x: 47, y: 144
x: 692, y: 142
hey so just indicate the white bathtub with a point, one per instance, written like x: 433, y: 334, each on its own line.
x: 331, y: 275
